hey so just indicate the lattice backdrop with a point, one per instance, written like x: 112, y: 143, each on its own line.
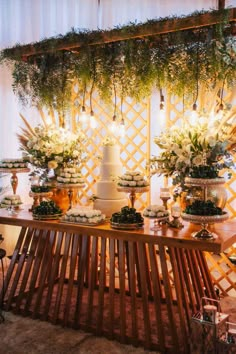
x: 135, y: 152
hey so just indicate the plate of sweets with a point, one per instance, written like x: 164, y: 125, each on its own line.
x: 127, y: 219
x: 158, y: 213
x: 84, y: 216
x: 47, y: 210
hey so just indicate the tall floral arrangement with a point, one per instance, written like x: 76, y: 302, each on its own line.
x: 49, y: 147
x: 185, y: 148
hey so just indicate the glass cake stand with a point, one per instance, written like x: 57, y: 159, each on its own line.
x: 132, y: 191
x: 70, y: 190
x: 204, y: 221
x: 14, y: 178
x: 157, y: 222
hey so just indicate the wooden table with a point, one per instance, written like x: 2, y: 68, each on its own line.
x: 138, y: 287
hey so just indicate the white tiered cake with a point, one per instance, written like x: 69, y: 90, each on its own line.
x: 109, y: 200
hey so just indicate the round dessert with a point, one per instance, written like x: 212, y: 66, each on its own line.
x: 126, y: 218
x: 203, y: 208
x: 70, y: 175
x: 11, y: 200
x: 155, y: 211
x: 132, y: 179
x: 39, y: 189
x: 84, y: 216
x: 13, y: 163
x: 47, y: 210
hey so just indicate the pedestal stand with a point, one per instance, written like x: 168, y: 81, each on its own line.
x: 132, y: 191
x: 14, y: 178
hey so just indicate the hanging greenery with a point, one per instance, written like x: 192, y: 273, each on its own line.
x: 178, y: 61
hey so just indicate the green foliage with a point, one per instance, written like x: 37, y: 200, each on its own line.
x: 178, y: 61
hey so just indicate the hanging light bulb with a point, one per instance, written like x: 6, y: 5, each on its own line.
x: 162, y: 114
x: 194, y: 115
x: 113, y: 126
x: 122, y: 128
x: 92, y: 120
x: 83, y: 117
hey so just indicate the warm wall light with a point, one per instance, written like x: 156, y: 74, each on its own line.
x: 122, y: 128
x: 92, y: 120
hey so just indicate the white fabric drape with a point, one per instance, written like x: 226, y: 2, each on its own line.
x: 26, y: 21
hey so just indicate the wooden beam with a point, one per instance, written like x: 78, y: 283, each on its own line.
x: 221, y: 4
x: 150, y: 28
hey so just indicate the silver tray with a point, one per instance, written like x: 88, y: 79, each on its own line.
x: 118, y: 226
x: 204, y: 219
x: 83, y: 223
x: 47, y: 217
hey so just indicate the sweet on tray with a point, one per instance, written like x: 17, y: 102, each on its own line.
x: 83, y: 216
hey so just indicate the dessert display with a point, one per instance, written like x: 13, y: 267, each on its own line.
x: 38, y: 193
x: 127, y: 218
x: 132, y: 179
x: 47, y: 210
x: 39, y: 189
x: 70, y: 175
x: 108, y: 198
x: 158, y: 213
x: 203, y: 211
x: 84, y: 216
x: 155, y: 211
x: 11, y: 201
x: 13, y: 163
x: 132, y: 182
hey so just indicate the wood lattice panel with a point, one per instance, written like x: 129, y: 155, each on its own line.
x: 134, y: 145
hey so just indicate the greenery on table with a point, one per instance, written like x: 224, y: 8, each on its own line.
x: 127, y: 216
x: 47, y: 208
x: 131, y: 67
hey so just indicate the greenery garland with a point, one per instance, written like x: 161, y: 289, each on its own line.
x: 178, y: 61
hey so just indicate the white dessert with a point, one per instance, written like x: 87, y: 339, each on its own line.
x: 70, y: 175
x: 11, y: 200
x: 13, y: 163
x: 155, y: 211
x: 82, y: 215
x: 132, y: 179
x: 109, y: 200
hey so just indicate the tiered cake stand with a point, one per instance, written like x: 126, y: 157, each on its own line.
x: 70, y: 187
x: 204, y: 220
x: 132, y: 191
x: 14, y: 178
x: 39, y: 197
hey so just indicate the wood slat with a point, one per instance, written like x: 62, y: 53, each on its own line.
x: 92, y: 280
x: 112, y: 266
x: 53, y: 276
x: 121, y: 267
x: 102, y: 283
x: 62, y: 277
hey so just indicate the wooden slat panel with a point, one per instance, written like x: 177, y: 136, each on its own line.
x: 111, y: 286
x: 20, y: 265
x: 155, y: 276
x: 121, y: 252
x: 73, y: 264
x: 102, y: 283
x: 53, y: 276
x: 62, y: 277
x: 92, y: 279
x: 143, y: 279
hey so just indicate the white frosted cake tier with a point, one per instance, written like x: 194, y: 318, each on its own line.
x: 111, y: 154
x: 108, y: 190
x: 110, y: 170
x: 108, y: 207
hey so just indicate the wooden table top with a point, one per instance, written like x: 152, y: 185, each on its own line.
x: 181, y: 238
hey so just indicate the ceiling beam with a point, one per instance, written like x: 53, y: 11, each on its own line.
x: 150, y: 28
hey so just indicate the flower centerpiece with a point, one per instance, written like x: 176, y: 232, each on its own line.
x: 48, y: 147
x: 199, y: 151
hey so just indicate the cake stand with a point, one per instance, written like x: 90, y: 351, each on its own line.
x: 38, y: 198
x: 157, y: 222
x: 14, y: 178
x: 132, y: 191
x: 70, y: 190
x: 204, y: 220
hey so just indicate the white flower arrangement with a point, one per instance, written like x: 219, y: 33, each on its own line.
x: 52, y: 147
x: 185, y: 147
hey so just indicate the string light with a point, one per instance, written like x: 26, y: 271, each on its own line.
x: 122, y: 122
x: 194, y: 114
x: 83, y: 117
x: 114, y: 125
x: 92, y: 119
x: 162, y: 111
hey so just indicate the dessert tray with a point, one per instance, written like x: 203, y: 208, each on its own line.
x: 46, y: 217
x: 83, y: 223
x: 203, y: 181
x: 129, y: 189
x: 120, y: 226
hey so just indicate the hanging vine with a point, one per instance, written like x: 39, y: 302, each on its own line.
x: 138, y: 63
